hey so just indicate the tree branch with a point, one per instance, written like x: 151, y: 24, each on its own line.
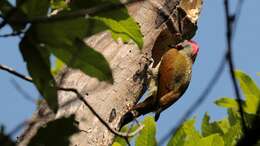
x: 80, y: 97
x: 14, y: 72
x: 229, y: 35
x: 121, y: 134
x: 11, y: 34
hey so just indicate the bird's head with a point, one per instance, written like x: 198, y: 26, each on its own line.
x: 190, y: 48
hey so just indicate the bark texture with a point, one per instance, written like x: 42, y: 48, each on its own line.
x: 129, y: 65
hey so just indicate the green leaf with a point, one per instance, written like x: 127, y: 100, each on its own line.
x: 34, y: 8
x: 125, y: 29
x: 85, y: 58
x: 60, y: 34
x: 247, y: 85
x: 116, y: 144
x: 38, y: 65
x: 186, y: 135
x: 58, y: 66
x: 121, y: 140
x: 210, y: 128
x: 251, y: 104
x: 117, y: 20
x: 63, y: 38
x: 55, y: 133
x: 6, y: 8
x: 250, y: 90
x: 224, y: 124
x: 233, y: 116
x: 233, y: 134
x: 211, y: 140
x: 147, y: 135
x: 59, y: 4
x: 258, y: 74
x: 227, y: 103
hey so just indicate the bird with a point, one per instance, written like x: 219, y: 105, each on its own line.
x: 169, y: 80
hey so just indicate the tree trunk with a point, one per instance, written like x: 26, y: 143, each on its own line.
x: 128, y: 64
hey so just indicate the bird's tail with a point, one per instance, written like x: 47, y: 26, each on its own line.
x: 138, y: 110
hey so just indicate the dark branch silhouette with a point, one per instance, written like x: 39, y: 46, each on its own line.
x: 14, y: 72
x: 81, y: 97
x: 229, y: 35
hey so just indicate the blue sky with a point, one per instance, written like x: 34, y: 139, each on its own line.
x: 211, y: 38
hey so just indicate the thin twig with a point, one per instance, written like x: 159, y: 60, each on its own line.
x: 13, y: 34
x: 81, y: 97
x: 81, y: 12
x: 199, y: 101
x: 229, y: 36
x: 238, y: 11
x: 14, y: 72
x: 24, y: 94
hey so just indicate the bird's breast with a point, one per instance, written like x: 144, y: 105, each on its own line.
x: 174, y: 72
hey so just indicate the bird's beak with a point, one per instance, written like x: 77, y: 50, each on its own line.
x: 193, y: 58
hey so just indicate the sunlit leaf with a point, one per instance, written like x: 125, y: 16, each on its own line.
x: 250, y: 90
x: 227, y: 103
x: 186, y: 135
x: 210, y: 128
x: 233, y: 116
x: 247, y: 85
x: 116, y: 144
x: 55, y: 133
x: 121, y: 140
x: 125, y: 29
x: 117, y: 20
x: 58, y: 66
x: 147, y: 135
x: 251, y: 104
x: 211, y: 140
x: 224, y: 124
x: 59, y: 4
x: 233, y: 134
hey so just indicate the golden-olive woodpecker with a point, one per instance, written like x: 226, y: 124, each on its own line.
x: 169, y: 81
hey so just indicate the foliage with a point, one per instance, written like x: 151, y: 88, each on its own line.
x: 145, y: 138
x: 225, y: 132
x: 55, y: 133
x: 57, y: 33
x: 5, y: 140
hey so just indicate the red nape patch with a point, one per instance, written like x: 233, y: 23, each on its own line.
x: 195, y: 46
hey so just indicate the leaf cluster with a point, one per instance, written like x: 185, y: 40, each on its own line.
x: 224, y: 132
x: 49, y: 29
